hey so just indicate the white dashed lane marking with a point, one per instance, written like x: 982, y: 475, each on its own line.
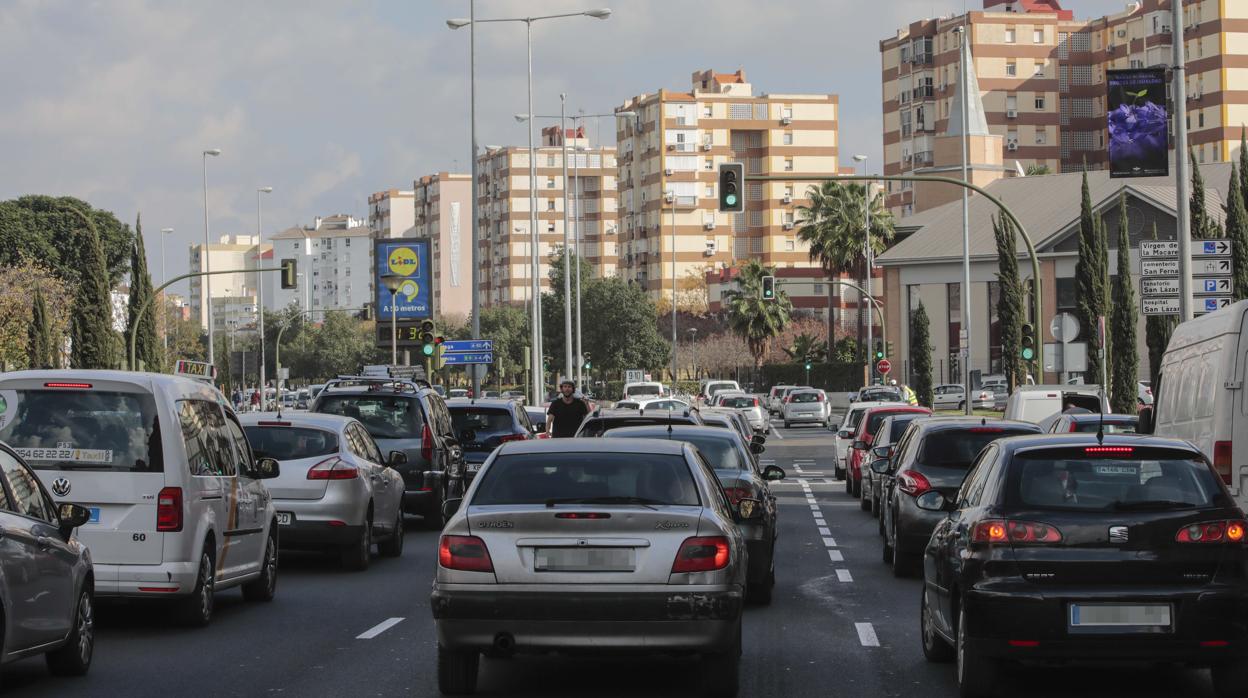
x: 866, y: 635
x: 824, y: 531
x: 829, y: 542
x: 844, y: 576
x: 378, y: 629
x: 836, y: 556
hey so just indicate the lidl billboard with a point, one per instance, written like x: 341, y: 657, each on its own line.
x: 408, y: 259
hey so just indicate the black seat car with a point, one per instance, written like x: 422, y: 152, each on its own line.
x: 601, y: 421
x: 932, y: 457
x: 1061, y: 548
x: 483, y: 425
x: 886, y: 439
x: 412, y: 418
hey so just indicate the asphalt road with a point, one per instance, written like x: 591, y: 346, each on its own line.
x: 840, y: 625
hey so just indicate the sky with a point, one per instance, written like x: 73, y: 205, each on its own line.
x: 113, y: 101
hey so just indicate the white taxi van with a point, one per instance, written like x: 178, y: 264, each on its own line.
x: 177, y: 508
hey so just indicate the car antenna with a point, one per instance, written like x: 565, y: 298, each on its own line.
x: 1100, y: 406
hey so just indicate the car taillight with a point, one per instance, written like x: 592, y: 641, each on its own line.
x: 426, y: 443
x: 736, y: 494
x: 1010, y: 531
x: 1074, y: 426
x: 1222, y: 460
x: 169, y: 509
x: 71, y: 386
x: 1108, y: 450
x: 701, y: 554
x: 513, y: 437
x: 912, y: 483
x: 986, y: 430
x: 1212, y: 532
x: 788, y: 399
x: 333, y: 468
x: 818, y: 397
x: 467, y: 553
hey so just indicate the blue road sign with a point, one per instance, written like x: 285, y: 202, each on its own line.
x: 465, y: 359
x: 1209, y: 305
x: 460, y: 346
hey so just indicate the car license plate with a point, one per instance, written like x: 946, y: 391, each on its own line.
x: 285, y: 518
x: 95, y: 515
x: 474, y: 467
x: 583, y: 560
x: 1120, y: 617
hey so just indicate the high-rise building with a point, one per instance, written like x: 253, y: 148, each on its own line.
x: 669, y: 158
x: 1041, y: 75
x: 504, y: 196
x: 391, y: 212
x: 335, y: 269
x: 229, y: 291
x: 444, y: 215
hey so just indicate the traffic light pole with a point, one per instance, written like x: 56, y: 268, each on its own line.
x: 277, y: 341
x: 879, y: 307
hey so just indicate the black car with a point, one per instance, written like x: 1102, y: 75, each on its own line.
x: 1091, y: 423
x: 413, y: 419
x: 537, y: 417
x: 1065, y: 548
x: 886, y: 438
x: 734, y: 463
x: 601, y: 421
x: 932, y: 457
x: 483, y: 425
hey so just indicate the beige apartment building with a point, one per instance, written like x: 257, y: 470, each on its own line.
x: 1042, y: 81
x: 669, y: 169
x: 504, y: 200
x: 233, y: 295
x: 391, y: 213
x: 443, y: 211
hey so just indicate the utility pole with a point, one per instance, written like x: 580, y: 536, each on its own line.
x: 1183, y: 215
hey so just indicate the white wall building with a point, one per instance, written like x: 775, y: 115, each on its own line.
x: 334, y: 258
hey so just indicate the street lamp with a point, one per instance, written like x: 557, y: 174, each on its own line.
x: 869, y: 254
x: 260, y: 289
x: 392, y: 283
x: 164, y: 319
x: 204, y: 264
x: 534, y: 267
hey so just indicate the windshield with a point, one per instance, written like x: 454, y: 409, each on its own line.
x: 739, y: 402
x: 712, y: 388
x: 290, y: 443
x: 385, y: 416
x: 880, y: 395
x: 635, y: 390
x: 82, y: 430
x: 538, y: 478
x: 482, y: 421
x: 957, y: 448
x: 1154, y: 482
x: 806, y: 397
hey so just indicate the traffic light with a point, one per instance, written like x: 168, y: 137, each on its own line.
x: 807, y: 364
x: 879, y: 350
x: 427, y: 340
x: 1028, y: 342
x: 731, y: 179
x: 888, y: 349
x: 439, y: 352
x: 769, y: 288
x: 587, y: 365
x: 290, y: 273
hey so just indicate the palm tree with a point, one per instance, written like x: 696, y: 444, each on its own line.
x: 806, y: 347
x: 832, y: 226
x: 753, y: 319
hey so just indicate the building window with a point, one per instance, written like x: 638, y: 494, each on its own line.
x: 1042, y: 137
x: 788, y: 138
x: 1039, y: 103
x: 1037, y: 36
x: 347, y: 243
x: 788, y: 245
x: 1038, y: 70
x: 1200, y: 118
x: 1011, y: 69
x: 550, y: 227
x: 788, y: 164
x: 710, y: 193
x: 710, y: 165
x: 550, y: 182
x: 788, y: 190
x: 786, y: 112
x: 818, y: 290
x: 1010, y: 35
x: 550, y: 204
x: 706, y: 110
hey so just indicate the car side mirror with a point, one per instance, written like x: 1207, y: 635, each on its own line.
x: 267, y: 469
x: 880, y: 466
x: 844, y: 434
x: 861, y: 445
x: 749, y: 509
x: 758, y: 439
x: 882, y: 451
x: 757, y: 448
x: 396, y: 458
x: 931, y: 501
x: 450, y: 506
x: 774, y: 472
x: 72, y: 516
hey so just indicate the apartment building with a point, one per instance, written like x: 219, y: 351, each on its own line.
x: 443, y: 211
x: 229, y: 291
x: 334, y: 257
x: 504, y: 200
x: 391, y: 213
x: 1041, y: 75
x: 669, y: 157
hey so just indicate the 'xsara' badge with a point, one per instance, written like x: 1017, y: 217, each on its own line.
x: 1117, y: 534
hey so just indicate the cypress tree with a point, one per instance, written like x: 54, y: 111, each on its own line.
x: 1203, y: 227
x: 40, y: 346
x: 1243, y: 162
x: 921, y: 355
x: 1237, y: 231
x: 1157, y: 331
x: 1124, y: 361
x: 91, y: 328
x: 1090, y: 279
x: 1010, y: 308
x: 147, y: 348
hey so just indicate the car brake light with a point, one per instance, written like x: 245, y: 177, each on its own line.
x: 169, y: 510
x: 273, y: 424
x: 986, y: 430
x: 788, y: 399
x: 426, y: 443
x: 74, y: 386
x: 1212, y: 532
x: 736, y: 494
x: 1222, y: 460
x: 701, y: 554
x: 1011, y: 531
x: 592, y: 515
x: 912, y: 483
x: 467, y: 553
x: 513, y: 437
x: 333, y: 468
x: 1108, y: 450
x: 1074, y: 426
x: 818, y: 397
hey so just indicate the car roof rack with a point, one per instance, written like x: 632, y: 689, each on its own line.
x: 376, y: 383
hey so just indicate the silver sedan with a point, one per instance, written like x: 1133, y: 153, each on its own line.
x: 592, y: 545
x: 808, y: 405
x: 335, y: 491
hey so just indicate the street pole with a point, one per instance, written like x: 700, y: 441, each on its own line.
x: 476, y: 232
x: 534, y: 268
x: 567, y: 242
x: 673, y: 290
x: 1183, y: 215
x: 964, y: 339
x: 576, y: 225
x: 204, y: 264
x: 164, y: 319
x: 260, y: 291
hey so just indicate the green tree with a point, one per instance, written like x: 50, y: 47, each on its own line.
x: 509, y: 328
x: 1243, y: 163
x: 832, y: 226
x: 1090, y: 275
x: 1237, y: 231
x: 1124, y: 361
x: 147, y: 345
x: 621, y: 331
x: 806, y: 347
x: 921, y: 355
x: 753, y: 319
x: 1011, y: 311
x: 1157, y: 331
x: 93, y: 340
x: 41, y: 347
x: 1037, y: 170
x: 1203, y: 227
x: 43, y: 228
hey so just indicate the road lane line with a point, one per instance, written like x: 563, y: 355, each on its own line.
x: 844, y: 576
x: 814, y: 507
x: 378, y: 629
x: 776, y: 433
x: 829, y: 542
x: 836, y: 556
x: 866, y: 635
x: 824, y: 531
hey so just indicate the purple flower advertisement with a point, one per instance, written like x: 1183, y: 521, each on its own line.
x: 1138, y: 123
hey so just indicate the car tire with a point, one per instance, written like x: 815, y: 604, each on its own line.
x: 886, y: 550
x: 1230, y: 679
x: 196, y: 610
x: 457, y: 671
x: 393, y: 546
x: 434, y: 521
x: 962, y: 406
x: 864, y: 498
x: 264, y: 587
x: 787, y: 425
x: 760, y: 594
x: 721, y: 671
x: 357, y: 555
x: 901, y: 564
x: 74, y: 657
x: 856, y: 488
x: 935, y: 648
x: 976, y: 673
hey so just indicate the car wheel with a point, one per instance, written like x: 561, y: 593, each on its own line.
x: 721, y: 670
x: 434, y: 521
x: 393, y: 546
x: 864, y: 497
x: 976, y: 673
x: 196, y: 609
x: 74, y: 657
x: 787, y: 425
x: 263, y: 588
x: 357, y: 555
x: 457, y: 671
x: 962, y: 406
x: 1230, y: 679
x: 760, y: 593
x: 901, y: 560
x: 935, y: 648
x: 857, y: 488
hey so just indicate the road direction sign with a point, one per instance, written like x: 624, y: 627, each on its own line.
x: 1210, y: 286
x: 1064, y: 327
x: 633, y: 376
x: 1212, y: 248
x: 1165, y: 286
x: 1212, y: 267
x: 1208, y: 305
x: 459, y: 346
x: 884, y: 366
x: 465, y: 359
x: 1159, y: 248
x: 1159, y: 267
x: 1160, y: 306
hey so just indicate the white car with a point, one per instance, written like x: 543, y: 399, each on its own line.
x: 805, y: 405
x: 951, y: 396
x: 664, y: 403
x: 336, y: 490
x: 1042, y: 404
x: 749, y: 405
x: 646, y: 389
x: 711, y: 387
x: 178, y: 510
x: 849, y: 426
x: 775, y: 398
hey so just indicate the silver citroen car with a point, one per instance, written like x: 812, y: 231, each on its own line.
x: 592, y: 545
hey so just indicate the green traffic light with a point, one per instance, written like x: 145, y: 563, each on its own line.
x: 1028, y: 353
x: 427, y: 349
x: 731, y: 199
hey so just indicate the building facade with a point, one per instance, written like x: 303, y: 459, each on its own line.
x: 230, y: 252
x: 335, y: 272
x: 444, y: 216
x: 391, y: 213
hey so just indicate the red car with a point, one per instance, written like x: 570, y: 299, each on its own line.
x: 863, y: 437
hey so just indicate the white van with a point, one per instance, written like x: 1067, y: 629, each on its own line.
x: 647, y: 389
x: 1202, y: 396
x: 177, y: 507
x: 1039, y: 403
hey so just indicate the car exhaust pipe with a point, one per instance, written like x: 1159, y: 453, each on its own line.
x: 504, y: 643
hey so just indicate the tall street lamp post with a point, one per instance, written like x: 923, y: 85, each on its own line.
x: 260, y: 289
x: 393, y: 282
x: 869, y: 255
x: 164, y: 232
x: 204, y: 264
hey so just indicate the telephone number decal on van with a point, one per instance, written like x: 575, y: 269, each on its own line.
x: 77, y: 455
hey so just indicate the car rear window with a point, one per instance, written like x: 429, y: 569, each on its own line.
x: 633, y: 390
x: 82, y: 430
x: 539, y: 478
x: 899, y: 425
x: 880, y: 395
x: 1118, y: 427
x: 290, y: 443
x: 712, y: 388
x: 598, y: 427
x: 957, y: 448
x: 1076, y: 479
x: 806, y: 397
x: 481, y: 420
x: 722, y: 453
x: 739, y: 402
x: 873, y: 422
x: 384, y: 416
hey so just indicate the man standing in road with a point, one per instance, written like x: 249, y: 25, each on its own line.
x: 566, y: 412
